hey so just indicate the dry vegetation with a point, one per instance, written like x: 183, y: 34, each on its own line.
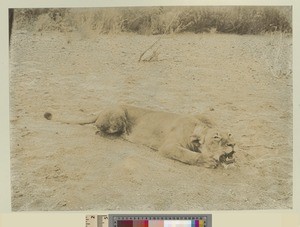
x: 160, y: 20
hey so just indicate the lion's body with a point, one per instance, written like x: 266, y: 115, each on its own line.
x: 189, y: 139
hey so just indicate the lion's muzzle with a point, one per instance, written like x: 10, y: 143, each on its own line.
x: 227, y: 158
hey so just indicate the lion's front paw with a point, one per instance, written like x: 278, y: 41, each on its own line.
x: 211, y: 164
x: 208, y: 162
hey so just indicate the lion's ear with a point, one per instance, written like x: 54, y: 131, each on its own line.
x: 194, y: 138
x: 197, y: 140
x: 198, y: 135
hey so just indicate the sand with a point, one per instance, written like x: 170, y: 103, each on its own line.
x: 244, y: 83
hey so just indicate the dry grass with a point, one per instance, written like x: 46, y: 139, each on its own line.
x: 159, y: 20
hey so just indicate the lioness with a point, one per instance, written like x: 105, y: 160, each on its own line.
x: 193, y: 140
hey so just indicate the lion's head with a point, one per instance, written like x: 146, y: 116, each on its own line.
x: 213, y: 142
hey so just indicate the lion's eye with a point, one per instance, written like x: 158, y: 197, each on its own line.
x: 216, y: 137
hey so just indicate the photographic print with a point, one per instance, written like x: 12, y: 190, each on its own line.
x: 151, y: 108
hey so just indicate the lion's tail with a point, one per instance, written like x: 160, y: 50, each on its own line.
x: 86, y: 120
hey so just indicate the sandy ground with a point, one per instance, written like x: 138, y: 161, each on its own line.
x: 243, y: 82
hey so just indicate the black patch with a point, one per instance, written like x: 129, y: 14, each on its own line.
x: 48, y: 115
x: 226, y: 156
x: 195, y: 146
x: 104, y: 130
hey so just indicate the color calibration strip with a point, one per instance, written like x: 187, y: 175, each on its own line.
x: 151, y: 220
x: 160, y: 223
x: 160, y: 220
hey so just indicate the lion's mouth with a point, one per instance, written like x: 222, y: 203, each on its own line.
x: 227, y: 158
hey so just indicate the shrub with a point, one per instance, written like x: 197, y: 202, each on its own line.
x: 160, y: 20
